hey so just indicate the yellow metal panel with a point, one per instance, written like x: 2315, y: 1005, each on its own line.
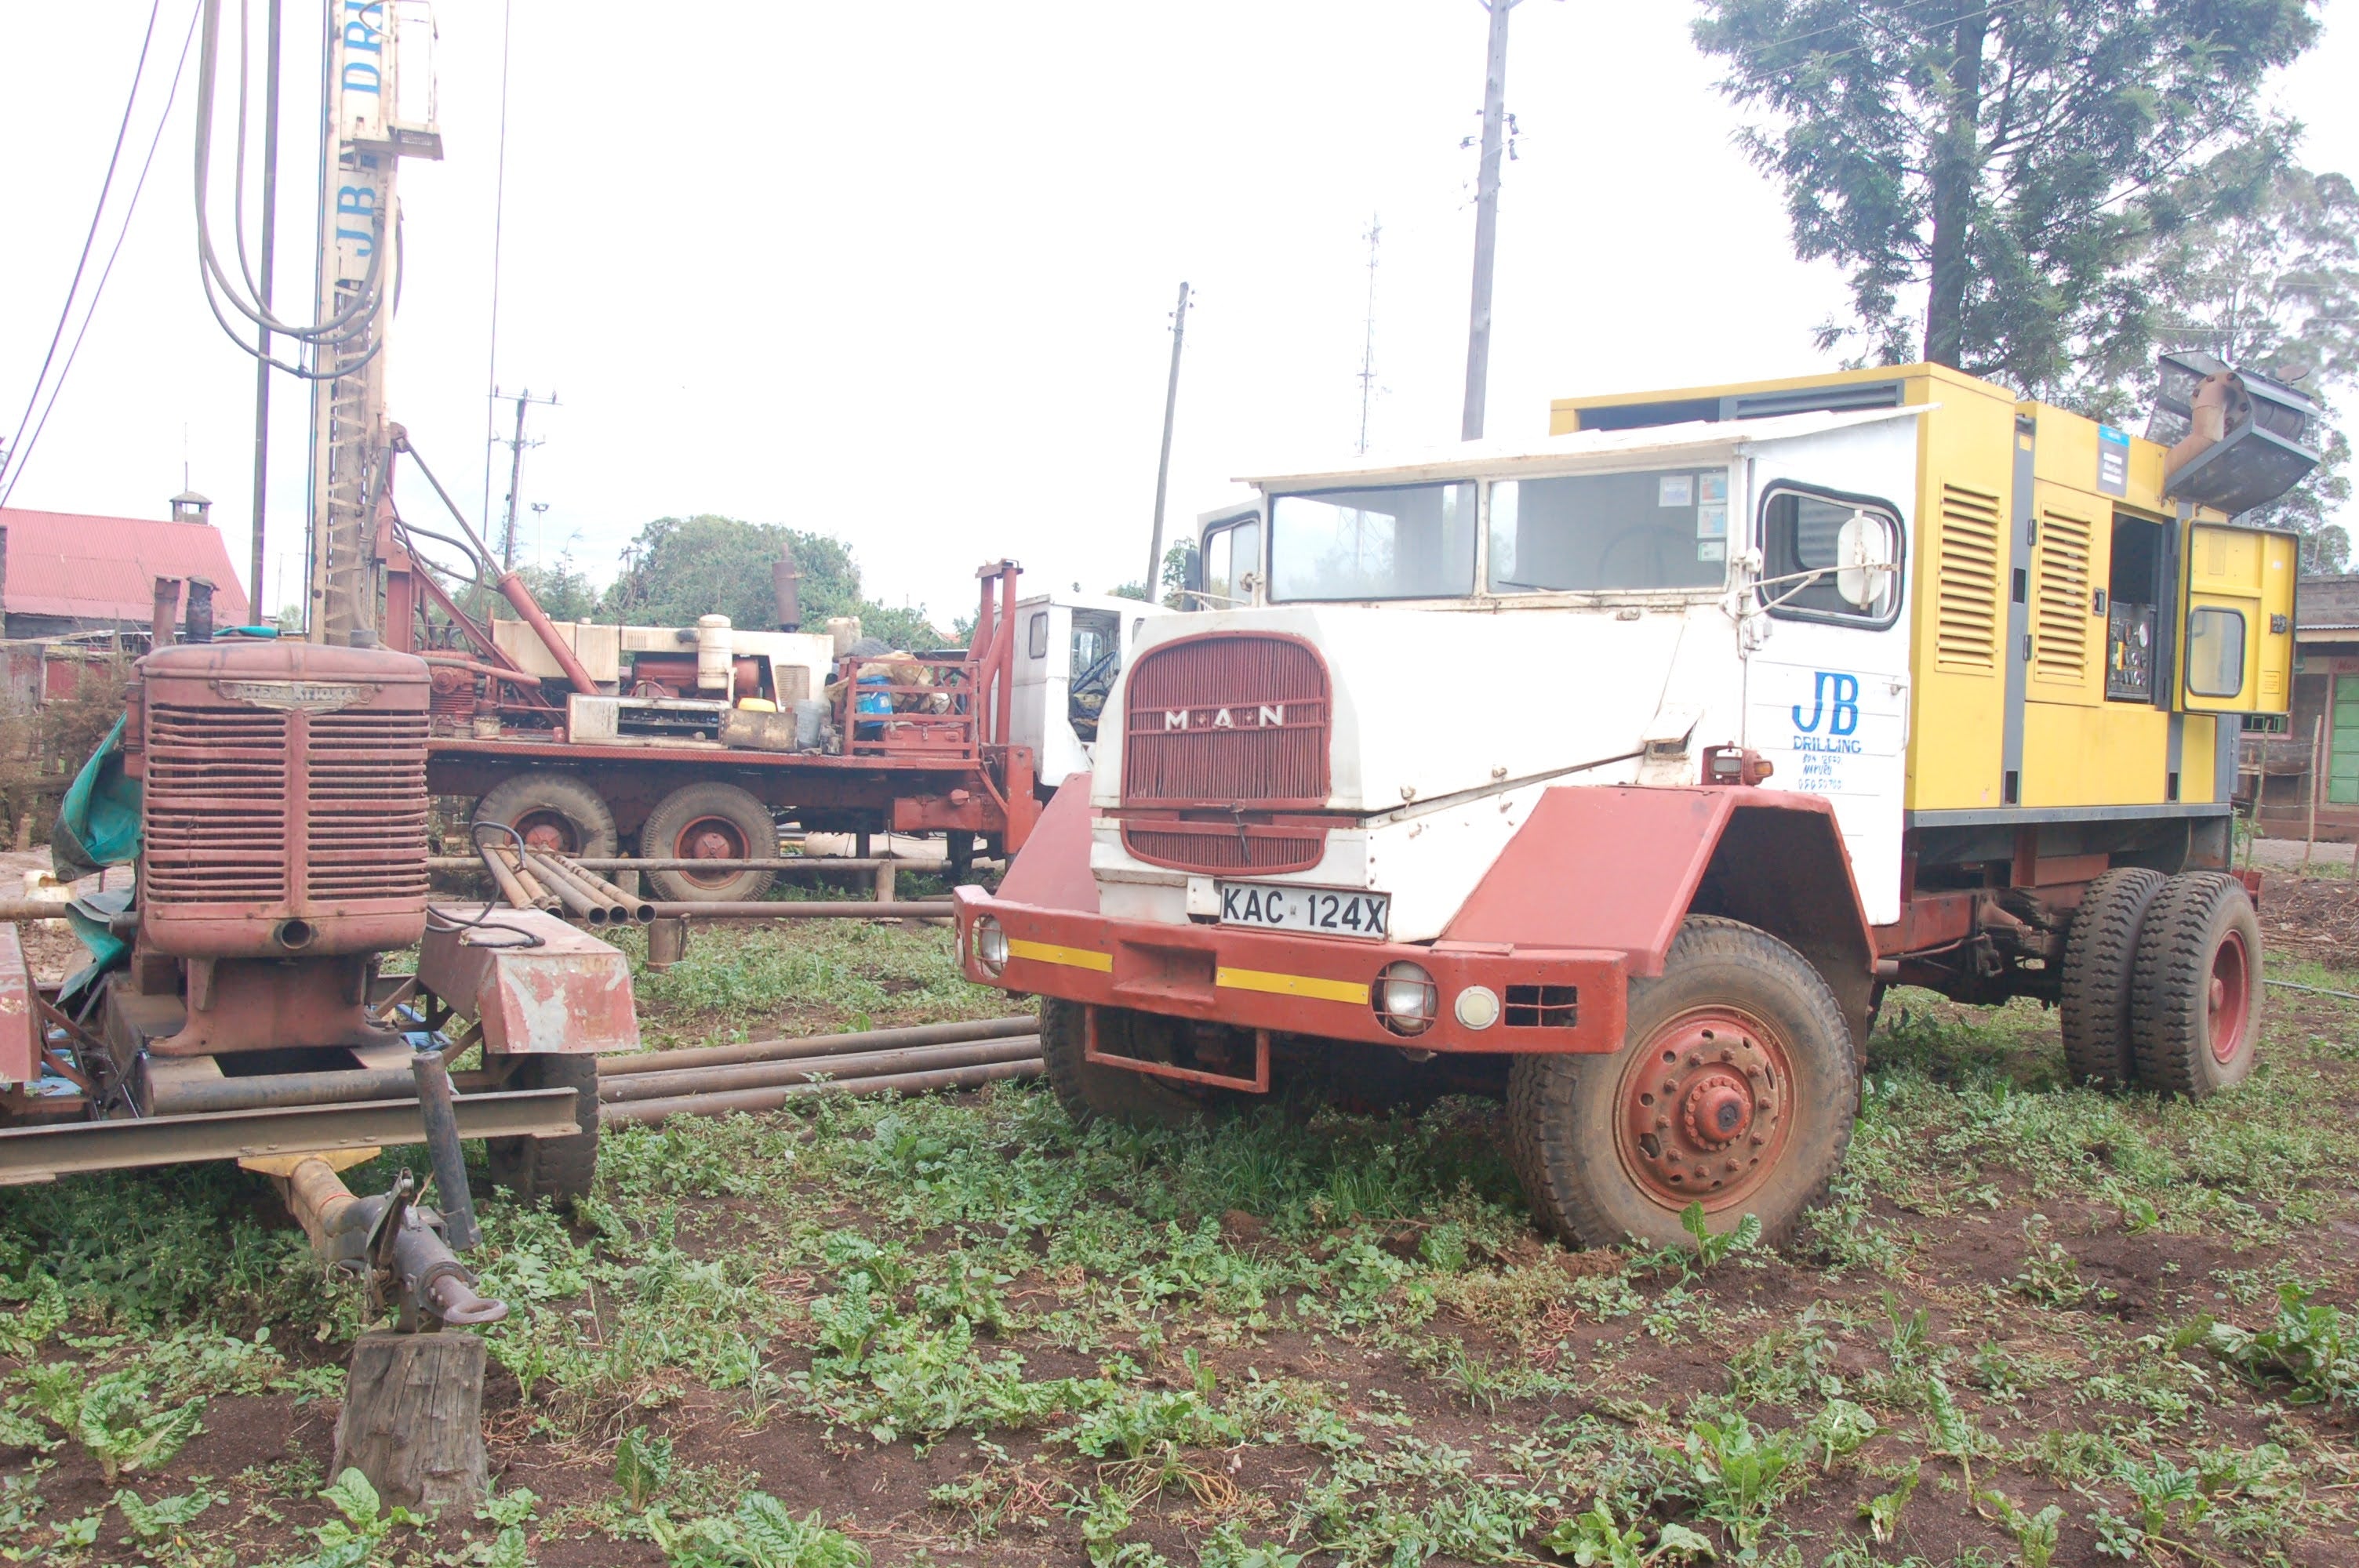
x: 1292, y: 985
x: 1922, y: 384
x: 1053, y: 952
x: 2068, y: 564
x: 2113, y: 753
x: 1966, y: 497
x: 2239, y: 621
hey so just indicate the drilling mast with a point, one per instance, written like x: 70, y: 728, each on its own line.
x: 366, y: 137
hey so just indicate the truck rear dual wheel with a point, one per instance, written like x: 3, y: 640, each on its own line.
x: 709, y: 821
x: 1735, y: 1087
x: 2195, y: 1010
x: 2101, y: 956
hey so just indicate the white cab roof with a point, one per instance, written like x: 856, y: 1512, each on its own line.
x: 1702, y: 440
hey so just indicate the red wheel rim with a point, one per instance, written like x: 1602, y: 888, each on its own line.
x: 2228, y: 1018
x: 710, y: 838
x: 548, y: 832
x: 1705, y: 1109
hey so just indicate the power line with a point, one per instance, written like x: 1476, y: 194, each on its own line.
x: 499, y: 212
x: 15, y: 463
x: 65, y: 309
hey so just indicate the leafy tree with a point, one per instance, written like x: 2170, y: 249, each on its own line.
x: 682, y: 567
x: 563, y: 591
x: 1174, y: 575
x: 1989, y: 173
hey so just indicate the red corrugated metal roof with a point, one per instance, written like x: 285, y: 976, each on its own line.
x: 104, y: 569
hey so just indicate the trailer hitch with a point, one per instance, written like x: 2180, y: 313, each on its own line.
x: 394, y: 1244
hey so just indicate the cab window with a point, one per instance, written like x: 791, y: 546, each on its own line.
x: 1800, y: 561
x: 1232, y: 559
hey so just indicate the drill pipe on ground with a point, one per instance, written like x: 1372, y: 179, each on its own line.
x: 846, y: 1065
x: 651, y: 1111
x: 820, y: 1045
x: 812, y: 909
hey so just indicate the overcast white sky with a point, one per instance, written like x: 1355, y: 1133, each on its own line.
x: 904, y: 273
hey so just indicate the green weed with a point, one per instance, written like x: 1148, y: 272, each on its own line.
x: 111, y: 1416
x: 2311, y: 1346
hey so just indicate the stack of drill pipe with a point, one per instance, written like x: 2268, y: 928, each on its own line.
x: 504, y: 877
x: 597, y: 903
x: 633, y: 909
x: 765, y: 1075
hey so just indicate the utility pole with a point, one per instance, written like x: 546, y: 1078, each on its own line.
x: 262, y: 360
x: 1368, y: 344
x: 1163, y: 466
x: 517, y: 445
x: 1487, y: 219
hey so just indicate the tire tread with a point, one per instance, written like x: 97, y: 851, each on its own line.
x: 2100, y: 969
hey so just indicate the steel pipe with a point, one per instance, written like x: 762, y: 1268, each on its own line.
x: 849, y: 1065
x: 576, y: 902
x: 820, y: 1045
x: 651, y: 1111
x: 495, y: 860
x: 629, y: 905
x: 813, y: 909
x: 35, y: 908
x: 267, y: 1091
x: 723, y: 863
x: 604, y: 899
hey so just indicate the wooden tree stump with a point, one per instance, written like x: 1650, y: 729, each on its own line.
x: 412, y: 1420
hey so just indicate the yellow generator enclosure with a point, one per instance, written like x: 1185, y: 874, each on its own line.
x: 2082, y: 640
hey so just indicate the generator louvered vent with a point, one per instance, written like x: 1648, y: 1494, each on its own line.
x: 1967, y: 635
x: 2060, y: 618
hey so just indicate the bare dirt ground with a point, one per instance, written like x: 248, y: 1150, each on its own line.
x: 2035, y: 1324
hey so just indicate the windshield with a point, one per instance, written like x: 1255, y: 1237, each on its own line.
x: 1609, y: 531
x: 1405, y: 542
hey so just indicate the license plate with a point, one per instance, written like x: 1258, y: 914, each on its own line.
x: 1269, y: 906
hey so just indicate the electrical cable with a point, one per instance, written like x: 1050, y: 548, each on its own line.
x: 366, y: 302
x: 65, y: 310
x: 13, y: 465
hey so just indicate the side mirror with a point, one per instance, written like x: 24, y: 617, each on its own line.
x: 1865, y: 554
x: 1191, y: 574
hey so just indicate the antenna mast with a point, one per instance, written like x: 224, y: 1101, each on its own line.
x: 1368, y: 342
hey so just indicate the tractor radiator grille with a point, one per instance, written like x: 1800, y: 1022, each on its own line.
x: 216, y: 805
x: 367, y: 818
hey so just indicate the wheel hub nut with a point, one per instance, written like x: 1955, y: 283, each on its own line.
x: 1717, y: 1109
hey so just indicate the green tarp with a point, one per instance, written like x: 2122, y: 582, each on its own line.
x: 98, y: 826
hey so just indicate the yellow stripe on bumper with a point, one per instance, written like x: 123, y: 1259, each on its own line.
x: 1292, y: 985
x: 1050, y: 953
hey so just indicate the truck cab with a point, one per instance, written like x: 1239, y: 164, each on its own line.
x: 1070, y: 654
x: 1622, y: 770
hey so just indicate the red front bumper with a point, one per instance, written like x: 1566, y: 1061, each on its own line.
x: 1286, y: 983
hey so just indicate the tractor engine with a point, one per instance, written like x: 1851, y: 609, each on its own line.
x: 284, y: 842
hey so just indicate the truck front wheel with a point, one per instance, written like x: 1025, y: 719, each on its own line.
x: 710, y: 822
x: 1735, y: 1087
x: 1089, y: 1092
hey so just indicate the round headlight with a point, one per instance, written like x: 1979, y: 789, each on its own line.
x: 1477, y: 1007
x: 990, y: 945
x: 1404, y: 998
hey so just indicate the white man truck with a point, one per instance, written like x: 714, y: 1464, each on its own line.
x: 1618, y: 774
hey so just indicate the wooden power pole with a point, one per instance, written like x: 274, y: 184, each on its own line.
x: 1163, y: 465
x: 1487, y: 219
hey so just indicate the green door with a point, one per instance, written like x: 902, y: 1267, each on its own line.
x: 2343, y: 743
